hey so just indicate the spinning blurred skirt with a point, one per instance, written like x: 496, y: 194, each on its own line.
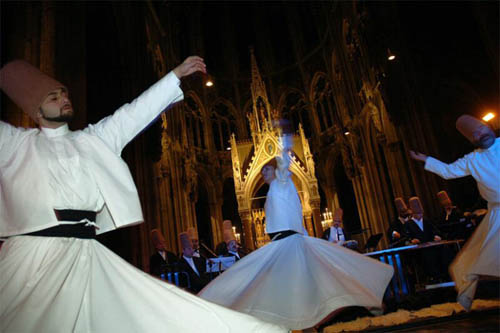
x: 479, y: 257
x: 57, y: 284
x: 298, y: 281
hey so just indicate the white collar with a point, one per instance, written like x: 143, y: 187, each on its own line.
x: 419, y: 221
x: 55, y: 132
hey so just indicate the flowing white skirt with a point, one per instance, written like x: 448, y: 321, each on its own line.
x: 298, y: 281
x: 479, y: 256
x: 75, y: 285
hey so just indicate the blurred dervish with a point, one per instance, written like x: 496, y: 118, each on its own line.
x: 296, y: 281
x: 479, y: 256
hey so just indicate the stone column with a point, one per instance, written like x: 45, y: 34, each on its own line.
x: 316, y: 219
x: 309, y: 224
x: 246, y: 221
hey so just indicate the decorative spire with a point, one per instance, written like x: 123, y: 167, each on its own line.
x: 261, y: 107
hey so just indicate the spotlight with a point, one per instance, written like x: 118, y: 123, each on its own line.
x: 390, y: 56
x: 209, y: 82
x: 488, y: 116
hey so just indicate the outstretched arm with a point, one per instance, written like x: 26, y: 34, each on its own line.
x: 10, y: 136
x: 283, y: 161
x: 128, y: 121
x: 456, y: 169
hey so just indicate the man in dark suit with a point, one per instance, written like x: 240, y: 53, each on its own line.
x: 336, y: 233
x: 196, y: 267
x: 420, y: 230
x: 397, y: 234
x: 435, y: 259
x: 162, y: 261
x: 452, y: 221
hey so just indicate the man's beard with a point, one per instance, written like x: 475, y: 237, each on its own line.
x: 61, y: 118
x: 484, y: 141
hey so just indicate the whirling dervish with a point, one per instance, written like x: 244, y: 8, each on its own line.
x: 296, y: 281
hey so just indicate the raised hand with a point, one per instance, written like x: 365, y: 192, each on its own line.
x: 418, y: 156
x: 189, y: 66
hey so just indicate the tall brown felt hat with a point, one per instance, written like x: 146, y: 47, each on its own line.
x: 227, y: 229
x: 400, y: 205
x: 26, y: 85
x: 467, y: 125
x: 192, y: 233
x: 185, y: 240
x: 416, y: 205
x: 444, y: 199
x: 156, y: 237
x: 338, y: 214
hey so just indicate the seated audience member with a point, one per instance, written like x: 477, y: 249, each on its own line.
x: 336, y: 233
x: 397, y: 234
x: 452, y: 221
x: 451, y: 213
x: 221, y: 249
x: 194, y: 266
x: 420, y: 230
x: 435, y: 260
x: 198, y: 250
x: 162, y: 261
x: 232, y: 246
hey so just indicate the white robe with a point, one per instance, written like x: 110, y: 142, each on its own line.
x: 480, y: 255
x: 59, y: 284
x: 297, y: 281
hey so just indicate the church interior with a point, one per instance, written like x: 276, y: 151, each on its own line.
x: 361, y: 83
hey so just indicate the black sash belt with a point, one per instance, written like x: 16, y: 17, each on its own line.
x: 78, y: 230
x: 281, y: 234
x: 75, y: 215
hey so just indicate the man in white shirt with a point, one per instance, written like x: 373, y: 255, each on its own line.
x: 59, y: 188
x: 479, y: 256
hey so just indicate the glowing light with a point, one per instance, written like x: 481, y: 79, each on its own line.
x: 488, y: 116
x: 390, y: 56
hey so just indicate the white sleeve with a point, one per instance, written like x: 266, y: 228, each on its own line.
x: 9, y: 137
x: 457, y: 169
x: 128, y: 121
x: 283, y: 161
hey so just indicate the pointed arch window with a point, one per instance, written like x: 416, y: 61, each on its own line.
x: 324, y: 102
x: 295, y: 110
x: 194, y: 123
x: 223, y: 124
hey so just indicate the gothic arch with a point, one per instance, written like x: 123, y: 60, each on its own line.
x: 284, y: 94
x: 298, y: 113
x: 207, y: 180
x: 224, y: 121
x: 323, y: 102
x: 192, y: 94
x: 195, y: 120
